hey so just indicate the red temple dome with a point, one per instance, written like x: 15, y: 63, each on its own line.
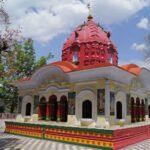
x: 89, y: 44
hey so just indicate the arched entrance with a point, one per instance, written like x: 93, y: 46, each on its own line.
x: 149, y: 111
x: 132, y: 110
x: 53, y: 107
x: 63, y: 109
x: 143, y: 110
x: 138, y: 109
x: 119, y: 110
x: 87, y: 109
x: 28, y: 109
x: 42, y: 109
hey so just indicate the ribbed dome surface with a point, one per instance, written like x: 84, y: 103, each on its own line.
x: 89, y: 44
x: 88, y: 32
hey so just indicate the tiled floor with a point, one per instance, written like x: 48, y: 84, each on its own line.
x: 13, y: 142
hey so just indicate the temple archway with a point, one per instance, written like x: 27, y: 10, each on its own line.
x: 132, y: 110
x: 143, y: 110
x: 87, y: 109
x: 42, y: 109
x: 119, y: 110
x: 28, y: 109
x: 149, y: 111
x: 63, y: 108
x: 138, y: 109
x: 53, y: 107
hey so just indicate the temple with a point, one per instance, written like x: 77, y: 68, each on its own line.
x: 87, y: 83
x: 87, y: 87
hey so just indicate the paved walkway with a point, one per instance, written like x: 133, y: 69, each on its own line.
x: 13, y: 142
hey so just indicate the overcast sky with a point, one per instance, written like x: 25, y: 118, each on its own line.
x: 49, y: 23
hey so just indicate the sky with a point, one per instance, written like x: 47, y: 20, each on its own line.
x: 50, y: 22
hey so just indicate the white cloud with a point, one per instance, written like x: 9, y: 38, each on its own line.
x: 143, y: 23
x: 45, y: 19
x: 139, y: 47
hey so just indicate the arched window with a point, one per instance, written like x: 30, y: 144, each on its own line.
x: 119, y: 110
x: 75, y: 58
x: 110, y: 58
x: 28, y: 109
x: 53, y: 107
x: 63, y: 109
x: 87, y: 109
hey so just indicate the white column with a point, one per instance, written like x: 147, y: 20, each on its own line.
x: 107, y: 98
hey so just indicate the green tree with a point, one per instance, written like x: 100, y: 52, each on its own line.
x: 10, y: 97
x: 25, y: 59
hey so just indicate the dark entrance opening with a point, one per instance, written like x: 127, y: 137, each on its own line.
x: 132, y: 110
x: 87, y: 109
x: 138, y: 109
x: 28, y: 109
x: 63, y: 109
x: 43, y: 108
x: 119, y: 110
x: 53, y: 107
x: 149, y: 111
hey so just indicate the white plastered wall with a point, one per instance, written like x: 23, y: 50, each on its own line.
x: 121, y: 97
x: 27, y: 99
x: 81, y: 97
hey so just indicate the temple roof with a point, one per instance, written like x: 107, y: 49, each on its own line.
x: 88, y: 32
x: 132, y: 68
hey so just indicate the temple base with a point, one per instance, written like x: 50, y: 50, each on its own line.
x: 91, y: 137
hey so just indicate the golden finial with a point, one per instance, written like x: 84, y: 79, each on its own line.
x: 90, y: 12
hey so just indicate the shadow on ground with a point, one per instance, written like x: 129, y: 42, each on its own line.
x: 9, y: 143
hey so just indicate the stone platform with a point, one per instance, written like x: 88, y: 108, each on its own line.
x: 98, y: 138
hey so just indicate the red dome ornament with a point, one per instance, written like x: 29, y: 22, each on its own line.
x: 89, y: 44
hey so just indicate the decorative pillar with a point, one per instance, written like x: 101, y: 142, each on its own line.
x: 107, y: 98
x: 39, y: 111
x: 58, y: 111
x: 48, y: 111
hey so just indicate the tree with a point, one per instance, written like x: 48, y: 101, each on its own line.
x: 17, y: 59
x: 4, y: 18
x: 25, y: 60
x: 10, y: 96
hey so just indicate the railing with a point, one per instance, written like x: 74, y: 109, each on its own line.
x: 8, y: 116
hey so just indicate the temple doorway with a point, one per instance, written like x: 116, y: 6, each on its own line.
x: 119, y: 110
x: 132, y: 110
x: 42, y: 109
x: 63, y: 109
x: 87, y: 109
x: 149, y: 111
x: 53, y: 107
x: 28, y: 109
